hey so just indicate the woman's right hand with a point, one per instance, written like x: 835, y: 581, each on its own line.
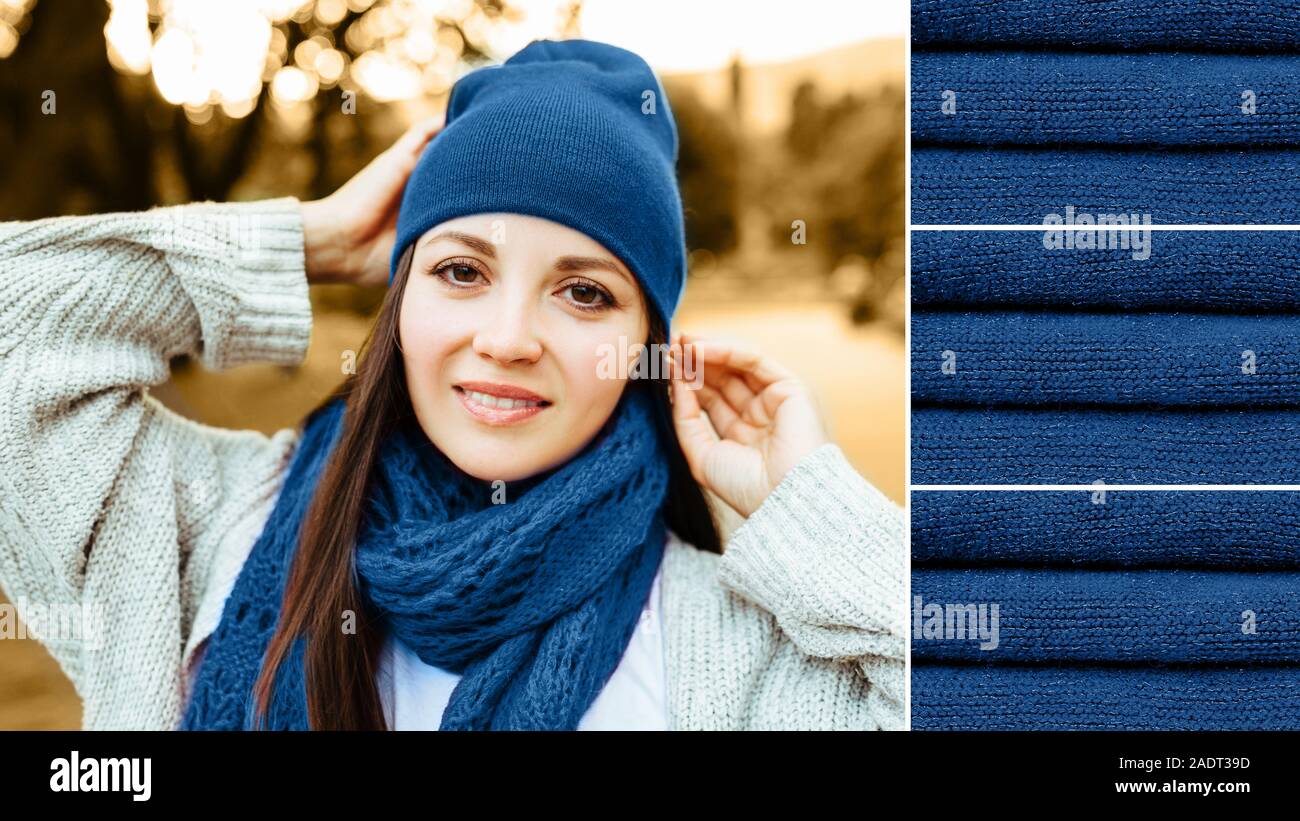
x: 348, y: 236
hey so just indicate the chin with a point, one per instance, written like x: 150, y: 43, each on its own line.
x: 490, y: 461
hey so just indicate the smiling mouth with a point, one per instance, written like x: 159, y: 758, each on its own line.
x: 499, y: 404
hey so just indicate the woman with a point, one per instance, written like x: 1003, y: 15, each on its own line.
x: 471, y: 530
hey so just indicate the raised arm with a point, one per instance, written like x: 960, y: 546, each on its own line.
x: 94, y: 309
x: 821, y: 549
x: 108, y: 500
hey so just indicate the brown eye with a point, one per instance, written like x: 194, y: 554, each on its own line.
x: 585, y: 294
x: 457, y: 273
x: 463, y: 274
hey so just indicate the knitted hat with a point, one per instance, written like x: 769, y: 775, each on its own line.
x: 573, y: 131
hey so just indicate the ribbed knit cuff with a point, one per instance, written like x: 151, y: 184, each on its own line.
x: 245, y: 270
x: 825, y: 554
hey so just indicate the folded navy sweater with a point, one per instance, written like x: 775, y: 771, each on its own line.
x: 1054, y: 358
x: 1020, y: 186
x: 1227, y: 271
x: 1082, y: 446
x: 1209, y: 25
x: 1000, y: 697
x: 1170, y: 363
x: 1084, y: 616
x: 1045, y: 98
x: 1116, y: 529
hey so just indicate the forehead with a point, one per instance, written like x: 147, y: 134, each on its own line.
x: 533, y: 233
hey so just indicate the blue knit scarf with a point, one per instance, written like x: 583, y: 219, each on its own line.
x: 532, y: 601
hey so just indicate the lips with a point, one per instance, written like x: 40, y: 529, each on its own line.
x: 497, y: 404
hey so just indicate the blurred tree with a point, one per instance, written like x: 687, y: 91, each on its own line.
x: 707, y: 169
x: 171, y: 102
x: 844, y: 175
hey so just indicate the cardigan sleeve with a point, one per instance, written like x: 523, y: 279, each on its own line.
x: 825, y: 554
x: 105, y: 494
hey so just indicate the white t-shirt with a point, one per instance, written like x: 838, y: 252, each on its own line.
x: 414, y: 694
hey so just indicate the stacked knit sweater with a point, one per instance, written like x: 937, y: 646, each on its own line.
x: 1176, y: 362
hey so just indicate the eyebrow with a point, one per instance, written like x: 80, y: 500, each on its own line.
x: 571, y: 264
x: 566, y: 264
x: 484, y: 247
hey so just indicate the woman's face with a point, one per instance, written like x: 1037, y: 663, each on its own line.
x: 505, y: 322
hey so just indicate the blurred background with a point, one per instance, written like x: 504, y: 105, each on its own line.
x: 791, y: 168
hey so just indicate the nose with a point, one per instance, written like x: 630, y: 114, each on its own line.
x: 508, y: 335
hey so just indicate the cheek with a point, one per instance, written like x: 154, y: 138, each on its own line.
x: 589, y: 356
x: 430, y: 333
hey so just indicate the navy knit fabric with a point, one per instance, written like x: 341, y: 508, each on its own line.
x: 574, y: 131
x: 1084, y: 359
x: 1101, y: 361
x: 1240, y: 272
x: 1077, y: 446
x: 1009, y: 697
x: 1046, y: 98
x: 1134, y: 616
x: 1240, y: 26
x: 1114, y: 610
x: 1020, y: 185
x: 1112, y: 529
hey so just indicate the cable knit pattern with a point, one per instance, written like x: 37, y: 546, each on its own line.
x: 1202, y: 271
x: 532, y: 603
x: 1204, y: 25
x: 1189, y: 528
x: 1046, y: 98
x: 108, y: 499
x: 1047, y: 358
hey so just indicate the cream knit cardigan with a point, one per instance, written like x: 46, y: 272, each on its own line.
x: 112, y: 503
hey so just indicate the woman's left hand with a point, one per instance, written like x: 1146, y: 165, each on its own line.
x: 746, y: 425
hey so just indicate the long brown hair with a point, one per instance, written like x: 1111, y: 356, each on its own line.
x: 321, y: 588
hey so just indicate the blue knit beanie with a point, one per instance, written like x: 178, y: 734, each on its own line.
x: 573, y: 131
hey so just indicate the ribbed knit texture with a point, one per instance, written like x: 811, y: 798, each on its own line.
x: 1202, y: 25
x: 946, y: 697
x: 532, y: 602
x: 1046, y: 98
x: 1199, y: 271
x: 108, y: 499
x: 1040, y: 361
x: 1117, y: 529
x: 1020, y: 186
x: 1108, y: 612
x: 1086, y: 359
x: 1108, y: 616
x: 1075, y: 446
x: 577, y: 132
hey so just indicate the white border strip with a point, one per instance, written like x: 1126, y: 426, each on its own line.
x: 1115, y: 228
x: 1104, y: 486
